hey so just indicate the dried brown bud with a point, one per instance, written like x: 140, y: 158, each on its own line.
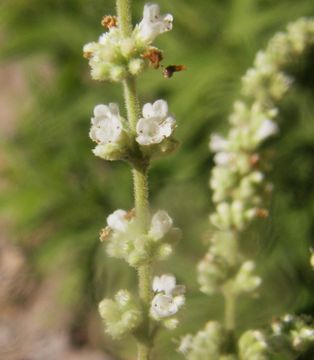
x: 154, y: 56
x: 262, y: 213
x: 87, y: 54
x: 171, y: 69
x: 130, y: 215
x: 254, y: 159
x: 104, y: 234
x: 109, y: 21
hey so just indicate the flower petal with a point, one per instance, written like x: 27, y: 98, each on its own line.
x: 117, y: 221
x: 160, y: 108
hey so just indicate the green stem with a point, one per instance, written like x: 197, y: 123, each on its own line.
x: 142, y: 351
x: 230, y: 300
x: 131, y: 102
x: 140, y: 180
x: 124, y: 16
x: 145, y: 293
x: 144, y: 274
x: 230, y: 303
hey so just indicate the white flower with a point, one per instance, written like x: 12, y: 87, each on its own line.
x: 218, y: 143
x: 156, y: 124
x: 267, y: 128
x: 153, y: 23
x: 223, y: 158
x: 161, y: 224
x: 165, y: 283
x: 163, y: 306
x: 106, y: 124
x: 169, y: 297
x: 118, y: 221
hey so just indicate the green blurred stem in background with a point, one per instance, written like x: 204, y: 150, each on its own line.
x: 230, y: 321
x: 230, y: 301
x: 140, y: 180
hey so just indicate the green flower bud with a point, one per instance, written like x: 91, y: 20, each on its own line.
x: 136, y: 66
x: 212, y: 272
x: 208, y: 343
x: 110, y: 152
x: 253, y: 346
x: 117, y: 73
x: 164, y: 251
x: 141, y: 250
x: 122, y: 315
x: 245, y: 280
x: 225, y: 244
x: 171, y: 323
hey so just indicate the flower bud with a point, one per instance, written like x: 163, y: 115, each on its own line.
x: 245, y: 280
x: 122, y: 315
x: 253, y: 345
x: 212, y: 272
x: 136, y: 66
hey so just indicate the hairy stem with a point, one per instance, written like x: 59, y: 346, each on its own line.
x: 140, y: 180
x: 131, y: 101
x: 124, y: 16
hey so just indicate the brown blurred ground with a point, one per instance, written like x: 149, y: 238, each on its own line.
x: 32, y: 325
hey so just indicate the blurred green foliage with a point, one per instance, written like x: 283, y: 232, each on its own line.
x: 60, y: 194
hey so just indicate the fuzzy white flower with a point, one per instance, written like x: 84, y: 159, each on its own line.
x: 169, y: 297
x: 163, y: 306
x: 106, y: 124
x: 156, y: 124
x: 118, y: 221
x: 153, y: 23
x: 161, y: 224
x: 218, y: 143
x: 165, y: 283
x: 185, y: 344
x: 245, y: 280
x: 223, y: 158
x: 267, y: 128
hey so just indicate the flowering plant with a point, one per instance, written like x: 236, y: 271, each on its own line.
x: 238, y: 181
x: 136, y: 236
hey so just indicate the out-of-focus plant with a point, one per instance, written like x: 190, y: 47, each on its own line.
x: 240, y: 194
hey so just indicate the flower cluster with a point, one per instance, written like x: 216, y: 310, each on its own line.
x: 125, y: 239
x: 297, y: 331
x: 121, y: 315
x: 208, y: 343
x: 167, y: 301
x: 115, y: 57
x: 253, y: 345
x: 214, y: 271
x: 238, y: 177
x: 287, y: 338
x: 116, y: 141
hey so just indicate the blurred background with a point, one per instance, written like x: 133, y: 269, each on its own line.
x: 55, y: 195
